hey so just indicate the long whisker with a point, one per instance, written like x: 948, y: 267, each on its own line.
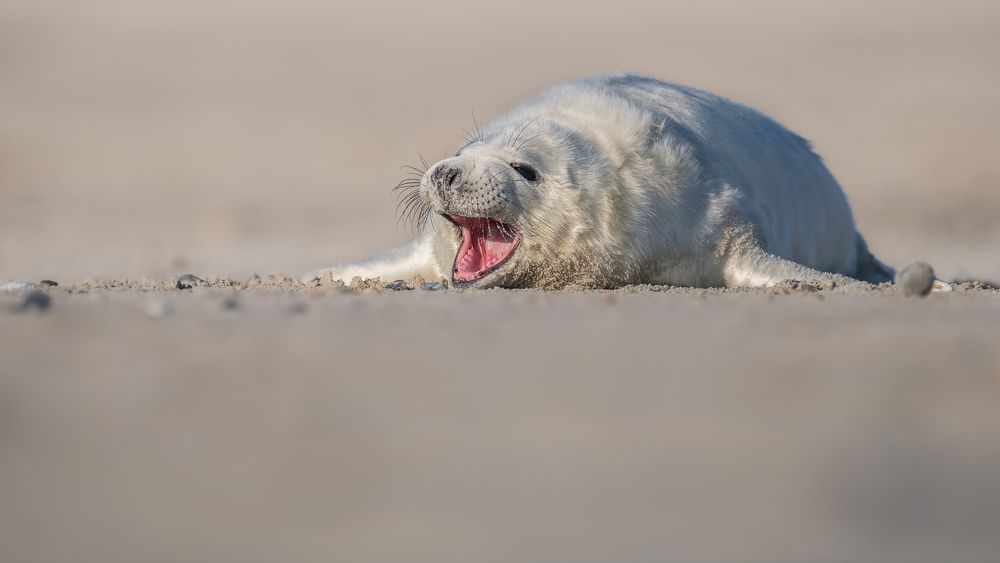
x: 411, y: 208
x: 475, y: 122
x: 513, y: 140
x: 526, y: 141
x: 414, y: 169
x: 469, y: 137
x: 537, y: 224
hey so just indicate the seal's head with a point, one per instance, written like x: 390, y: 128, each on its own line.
x: 476, y: 193
x: 518, y: 206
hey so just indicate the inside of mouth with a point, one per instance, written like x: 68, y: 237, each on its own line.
x: 486, y: 242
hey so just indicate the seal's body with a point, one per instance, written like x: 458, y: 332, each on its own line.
x: 620, y: 179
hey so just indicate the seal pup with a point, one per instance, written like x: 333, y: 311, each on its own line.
x: 621, y: 179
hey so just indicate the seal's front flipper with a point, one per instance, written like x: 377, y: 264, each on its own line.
x: 761, y: 269
x: 412, y: 259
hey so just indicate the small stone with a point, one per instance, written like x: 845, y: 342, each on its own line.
x: 48, y: 283
x: 187, y: 281
x: 916, y: 280
x: 38, y: 300
x: 398, y: 285
x: 298, y: 308
x: 231, y: 303
x: 433, y: 286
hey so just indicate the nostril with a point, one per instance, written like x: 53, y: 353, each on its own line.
x: 447, y: 177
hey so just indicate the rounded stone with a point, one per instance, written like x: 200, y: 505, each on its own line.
x: 916, y: 279
x: 398, y: 285
x: 187, y: 281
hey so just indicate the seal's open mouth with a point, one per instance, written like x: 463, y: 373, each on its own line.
x: 486, y: 243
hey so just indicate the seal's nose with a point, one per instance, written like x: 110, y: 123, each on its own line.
x: 446, y: 176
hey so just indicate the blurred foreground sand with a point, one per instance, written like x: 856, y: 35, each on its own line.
x: 501, y: 426
x: 152, y: 139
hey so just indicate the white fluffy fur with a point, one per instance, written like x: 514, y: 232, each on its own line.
x: 641, y: 182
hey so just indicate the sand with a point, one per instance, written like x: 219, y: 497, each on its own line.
x: 281, y: 422
x: 254, y: 418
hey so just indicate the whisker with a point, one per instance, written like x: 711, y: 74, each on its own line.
x: 469, y: 137
x: 411, y: 208
x: 414, y: 169
x: 513, y: 140
x: 479, y: 131
x: 526, y: 141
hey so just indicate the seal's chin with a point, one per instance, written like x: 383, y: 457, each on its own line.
x: 486, y: 244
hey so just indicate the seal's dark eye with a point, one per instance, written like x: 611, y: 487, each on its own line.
x: 529, y: 173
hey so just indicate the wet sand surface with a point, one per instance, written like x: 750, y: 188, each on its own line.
x: 272, y: 421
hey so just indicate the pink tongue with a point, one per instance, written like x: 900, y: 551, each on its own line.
x: 485, y: 242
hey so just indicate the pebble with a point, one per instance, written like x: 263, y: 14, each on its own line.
x: 916, y: 279
x: 231, y: 303
x: 298, y: 308
x: 433, y: 286
x: 34, y: 300
x: 187, y: 281
x: 48, y: 283
x: 398, y: 285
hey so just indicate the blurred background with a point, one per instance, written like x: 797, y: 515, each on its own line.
x: 224, y: 137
